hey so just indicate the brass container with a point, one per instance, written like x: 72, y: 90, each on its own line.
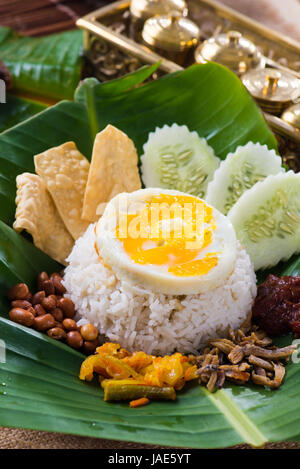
x: 144, y: 9
x: 231, y: 49
x: 141, y: 10
x: 292, y: 116
x: 274, y: 90
x: 172, y: 36
x: 111, y: 52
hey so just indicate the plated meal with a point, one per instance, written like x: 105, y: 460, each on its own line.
x: 159, y: 286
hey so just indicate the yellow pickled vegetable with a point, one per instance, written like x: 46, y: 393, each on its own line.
x: 126, y: 376
x: 139, y: 402
x: 89, y: 365
x: 138, y: 360
x: 125, y: 390
x: 106, y: 365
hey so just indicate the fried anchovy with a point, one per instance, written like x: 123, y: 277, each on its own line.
x: 270, y: 354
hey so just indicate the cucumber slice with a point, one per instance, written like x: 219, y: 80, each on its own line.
x: 267, y: 219
x: 175, y: 158
x: 239, y: 172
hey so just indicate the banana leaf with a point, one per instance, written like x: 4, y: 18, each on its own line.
x: 39, y: 385
x: 209, y: 100
x: 17, y: 109
x: 49, y: 66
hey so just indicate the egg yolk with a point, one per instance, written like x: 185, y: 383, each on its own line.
x: 170, y: 231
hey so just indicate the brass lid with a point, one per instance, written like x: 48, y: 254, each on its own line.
x: 292, y: 116
x: 273, y: 89
x: 144, y: 9
x: 171, y: 33
x: 232, y: 50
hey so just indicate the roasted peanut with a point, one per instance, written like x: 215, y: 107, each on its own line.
x: 22, y: 316
x: 57, y: 314
x: 43, y: 323
x: 42, y: 277
x: 89, y: 332
x: 89, y: 346
x: 32, y: 311
x: 59, y: 288
x: 67, y: 306
x: 59, y: 324
x: 48, y: 287
x: 38, y: 297
x: 57, y: 333
x: 18, y: 292
x: 24, y: 304
x: 29, y: 297
x: 55, y: 274
x: 74, y: 339
x: 70, y: 324
x: 49, y: 303
x: 40, y: 311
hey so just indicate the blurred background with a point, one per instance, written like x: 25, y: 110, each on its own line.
x: 40, y: 17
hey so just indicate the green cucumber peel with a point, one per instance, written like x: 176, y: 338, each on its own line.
x: 266, y: 219
x: 175, y: 158
x: 240, y: 170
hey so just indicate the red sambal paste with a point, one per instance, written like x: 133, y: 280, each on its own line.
x: 277, y: 306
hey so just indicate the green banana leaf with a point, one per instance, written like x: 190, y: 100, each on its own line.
x: 49, y: 66
x: 209, y: 100
x: 39, y: 385
x: 17, y: 109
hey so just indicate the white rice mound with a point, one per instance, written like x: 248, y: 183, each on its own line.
x: 139, y: 319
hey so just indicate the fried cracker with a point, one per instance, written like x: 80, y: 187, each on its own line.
x: 65, y: 172
x: 36, y: 213
x: 113, y: 170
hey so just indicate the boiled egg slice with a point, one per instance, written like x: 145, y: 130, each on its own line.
x: 166, y: 241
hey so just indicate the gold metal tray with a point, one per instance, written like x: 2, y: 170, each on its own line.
x: 112, y: 51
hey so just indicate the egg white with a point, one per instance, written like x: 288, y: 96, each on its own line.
x: 156, y: 278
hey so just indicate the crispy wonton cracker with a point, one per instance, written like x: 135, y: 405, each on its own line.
x: 65, y: 172
x: 113, y: 170
x: 37, y: 215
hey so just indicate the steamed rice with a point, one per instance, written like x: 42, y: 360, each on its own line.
x: 138, y: 319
